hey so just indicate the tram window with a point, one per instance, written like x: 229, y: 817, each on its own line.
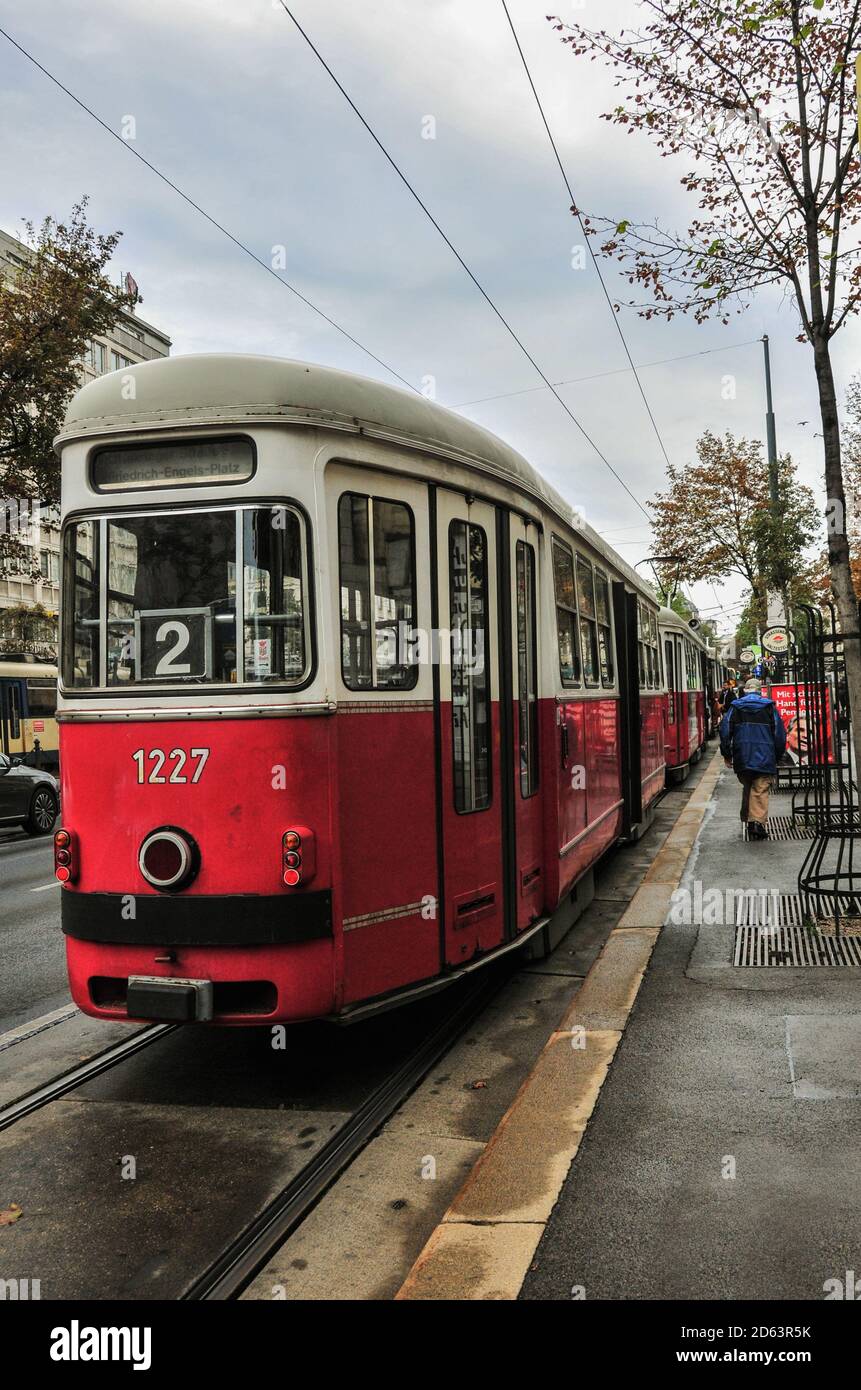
x: 171, y: 600
x: 671, y: 682
x: 588, y: 621
x: 274, y: 595
x: 13, y: 706
x: 376, y: 537
x: 169, y: 605
x: 527, y: 694
x: 655, y: 640
x: 605, y: 631
x: 42, y: 698
x: 649, y: 648
x: 566, y: 615
x: 692, y: 667
x: 641, y: 644
x: 470, y: 666
x: 81, y: 644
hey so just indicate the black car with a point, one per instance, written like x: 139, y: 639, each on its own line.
x: 28, y: 797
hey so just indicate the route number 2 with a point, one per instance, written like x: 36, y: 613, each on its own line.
x: 158, y: 758
x: 168, y: 665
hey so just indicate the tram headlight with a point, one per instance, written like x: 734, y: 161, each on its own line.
x: 169, y: 858
x: 298, y: 856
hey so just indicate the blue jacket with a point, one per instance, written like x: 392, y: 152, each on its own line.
x: 752, y: 733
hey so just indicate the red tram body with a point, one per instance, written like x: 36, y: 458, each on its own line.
x: 350, y: 700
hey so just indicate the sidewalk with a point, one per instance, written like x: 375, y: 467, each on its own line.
x: 722, y: 1159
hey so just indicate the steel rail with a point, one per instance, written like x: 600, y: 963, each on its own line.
x: 71, y: 1080
x: 238, y: 1264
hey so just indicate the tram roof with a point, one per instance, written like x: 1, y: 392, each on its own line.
x: 236, y: 388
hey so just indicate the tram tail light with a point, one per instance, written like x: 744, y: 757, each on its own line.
x: 298, y: 856
x: 65, y: 856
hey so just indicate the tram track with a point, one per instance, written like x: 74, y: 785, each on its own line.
x: 60, y: 1086
x: 226, y: 1269
x: 243, y: 1259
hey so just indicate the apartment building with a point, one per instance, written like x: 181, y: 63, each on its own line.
x: 131, y: 340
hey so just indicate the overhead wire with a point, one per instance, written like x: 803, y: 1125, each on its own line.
x: 460, y: 259
x: 203, y: 213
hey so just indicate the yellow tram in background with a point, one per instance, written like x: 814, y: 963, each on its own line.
x: 28, y: 711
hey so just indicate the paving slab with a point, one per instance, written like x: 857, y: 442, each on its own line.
x: 524, y: 1166
x: 609, y: 991
x: 824, y: 1054
x: 473, y: 1262
x: 362, y: 1240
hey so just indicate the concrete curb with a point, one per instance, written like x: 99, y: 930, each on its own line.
x: 484, y: 1245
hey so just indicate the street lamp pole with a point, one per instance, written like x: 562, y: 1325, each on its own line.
x: 771, y: 432
x: 771, y: 435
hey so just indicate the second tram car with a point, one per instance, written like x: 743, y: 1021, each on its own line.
x: 350, y: 700
x: 28, y: 711
x: 687, y: 708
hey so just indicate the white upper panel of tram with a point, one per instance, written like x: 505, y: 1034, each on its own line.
x: 242, y: 390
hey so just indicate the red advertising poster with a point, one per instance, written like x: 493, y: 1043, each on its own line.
x: 791, y: 701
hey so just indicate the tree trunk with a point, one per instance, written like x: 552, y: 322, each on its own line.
x: 838, y: 544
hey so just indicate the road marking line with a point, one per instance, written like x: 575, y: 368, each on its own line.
x: 36, y: 1025
x: 45, y: 886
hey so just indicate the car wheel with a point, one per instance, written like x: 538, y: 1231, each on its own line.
x: 43, y: 812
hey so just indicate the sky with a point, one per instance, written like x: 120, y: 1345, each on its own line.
x: 228, y: 101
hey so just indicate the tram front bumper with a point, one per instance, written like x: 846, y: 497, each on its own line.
x: 169, y: 1001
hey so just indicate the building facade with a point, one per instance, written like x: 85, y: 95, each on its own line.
x: 34, y: 582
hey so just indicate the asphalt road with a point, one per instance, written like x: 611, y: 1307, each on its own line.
x: 33, y: 977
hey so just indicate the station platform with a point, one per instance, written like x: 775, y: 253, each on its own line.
x: 690, y: 1130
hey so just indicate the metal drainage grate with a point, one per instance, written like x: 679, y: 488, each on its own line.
x: 770, y: 931
x: 785, y: 828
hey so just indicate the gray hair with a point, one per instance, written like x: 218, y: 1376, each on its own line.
x: 753, y: 686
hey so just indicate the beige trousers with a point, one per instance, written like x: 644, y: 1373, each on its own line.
x: 754, y: 798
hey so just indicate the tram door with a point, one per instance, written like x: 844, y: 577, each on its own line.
x: 10, y: 716
x: 475, y: 817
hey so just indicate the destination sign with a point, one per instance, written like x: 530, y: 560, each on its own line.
x: 178, y: 464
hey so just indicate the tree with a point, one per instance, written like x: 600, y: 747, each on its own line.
x: 49, y: 312
x: 25, y: 627
x: 759, y: 94
x: 716, y: 517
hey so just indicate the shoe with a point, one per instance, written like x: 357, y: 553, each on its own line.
x: 756, y: 830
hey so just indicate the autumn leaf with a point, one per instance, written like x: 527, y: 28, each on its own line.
x: 10, y: 1214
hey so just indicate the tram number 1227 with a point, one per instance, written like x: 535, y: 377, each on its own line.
x: 159, y: 758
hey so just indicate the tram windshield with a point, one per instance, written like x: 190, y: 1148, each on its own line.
x: 158, y: 599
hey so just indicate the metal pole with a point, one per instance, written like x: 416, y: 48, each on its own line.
x: 771, y: 432
x: 771, y: 435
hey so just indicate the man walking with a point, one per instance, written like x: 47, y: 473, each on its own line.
x: 752, y: 739
x: 728, y: 694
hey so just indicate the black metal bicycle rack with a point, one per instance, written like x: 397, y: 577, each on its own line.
x: 825, y: 792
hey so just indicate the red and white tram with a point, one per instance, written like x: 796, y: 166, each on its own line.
x: 350, y: 700
x: 686, y: 661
